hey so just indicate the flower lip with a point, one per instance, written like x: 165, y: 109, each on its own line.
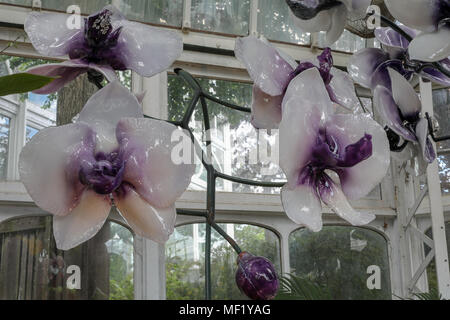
x: 308, y: 9
x: 104, y: 173
x: 325, y: 64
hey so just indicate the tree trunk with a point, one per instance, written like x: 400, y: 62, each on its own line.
x: 72, y: 98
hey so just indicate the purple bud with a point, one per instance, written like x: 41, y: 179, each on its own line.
x: 256, y: 277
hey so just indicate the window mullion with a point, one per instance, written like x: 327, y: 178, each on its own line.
x: 187, y: 15
x: 253, y: 23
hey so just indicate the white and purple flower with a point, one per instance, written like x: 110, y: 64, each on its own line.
x: 327, y: 157
x: 327, y: 15
x: 272, y: 71
x: 432, y: 17
x: 107, y: 42
x: 400, y: 109
x: 369, y: 67
x: 110, y: 155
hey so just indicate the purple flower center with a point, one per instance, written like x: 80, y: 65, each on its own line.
x: 325, y: 65
x: 104, y: 174
x: 100, y: 38
x: 329, y: 154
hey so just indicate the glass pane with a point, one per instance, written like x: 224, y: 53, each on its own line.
x: 4, y: 145
x: 441, y: 100
x: 30, y: 132
x: 348, y: 42
x: 339, y: 258
x: 154, y: 11
x: 185, y: 256
x: 230, y: 16
x: 31, y: 268
x: 431, y: 269
x: 275, y: 24
x: 235, y: 140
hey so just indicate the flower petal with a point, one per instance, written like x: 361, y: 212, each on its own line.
x: 431, y: 47
x: 343, y: 89
x: 49, y: 165
x: 306, y: 106
x: 337, y: 26
x: 390, y: 113
x: 357, y: 181
x: 336, y: 200
x: 417, y: 14
x: 266, y: 110
x: 105, y: 109
x: 268, y: 70
x: 321, y: 22
x: 392, y: 39
x: 363, y: 64
x: 147, y: 221
x: 357, y: 9
x: 303, y: 206
x: 83, y: 222
x: 427, y: 148
x: 151, y: 164
x: 50, y: 35
x: 404, y: 95
x: 145, y: 49
x: 436, y: 76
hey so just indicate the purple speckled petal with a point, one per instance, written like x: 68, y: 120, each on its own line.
x: 152, y: 164
x: 268, y: 70
x: 357, y: 181
x: 428, y: 152
x: 306, y: 106
x: 52, y: 159
x: 145, y: 49
x: 303, y: 206
x: 266, y: 110
x: 405, y: 96
x: 256, y: 277
x: 337, y: 201
x: 50, y: 35
x: 147, y: 221
x: 390, y: 113
x: 105, y: 109
x: 343, y: 89
x: 436, y: 76
x: 418, y: 14
x: 83, y: 222
x: 363, y: 64
x: 431, y: 47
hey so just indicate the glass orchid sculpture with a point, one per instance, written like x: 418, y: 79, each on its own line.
x: 327, y: 157
x: 109, y: 155
x: 326, y: 15
x: 105, y: 43
x: 272, y: 71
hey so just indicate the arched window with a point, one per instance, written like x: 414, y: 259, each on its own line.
x: 350, y: 263
x: 32, y: 268
x: 185, y: 259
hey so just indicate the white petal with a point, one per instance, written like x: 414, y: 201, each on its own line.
x: 363, y: 64
x: 427, y: 149
x: 337, y: 201
x: 268, y: 70
x: 105, y: 109
x: 344, y: 89
x: 266, y: 110
x: 306, y: 106
x: 155, y: 165
x: 337, y: 26
x: 404, y: 95
x: 83, y: 222
x: 359, y: 180
x: 357, y: 8
x: 431, y: 47
x: 49, y: 166
x: 145, y: 220
x: 147, y: 50
x: 49, y: 34
x: 303, y: 206
x: 417, y: 14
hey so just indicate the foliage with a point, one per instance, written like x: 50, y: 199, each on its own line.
x: 178, y: 286
x: 122, y: 289
x: 22, y: 83
x: 300, y: 288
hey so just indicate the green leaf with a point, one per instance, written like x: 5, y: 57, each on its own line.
x: 22, y: 82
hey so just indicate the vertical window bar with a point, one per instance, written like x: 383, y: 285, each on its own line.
x: 187, y: 4
x: 253, y: 23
